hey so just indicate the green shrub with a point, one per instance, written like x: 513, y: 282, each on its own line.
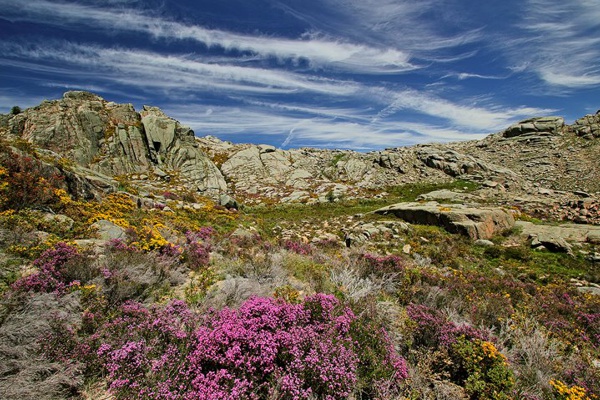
x: 481, y: 369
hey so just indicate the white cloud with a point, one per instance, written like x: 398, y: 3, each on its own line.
x: 153, y: 70
x: 353, y: 114
x: 316, y: 131
x: 319, y: 51
x: 356, y: 126
x: 402, y: 24
x: 568, y: 79
x: 560, y: 42
x: 461, y: 76
x: 486, y: 119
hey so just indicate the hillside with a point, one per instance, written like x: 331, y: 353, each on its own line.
x: 140, y: 261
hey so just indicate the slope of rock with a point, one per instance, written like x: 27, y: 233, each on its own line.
x: 472, y: 221
x: 114, y: 140
x: 540, y: 159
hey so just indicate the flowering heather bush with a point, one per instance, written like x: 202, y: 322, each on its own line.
x: 120, y: 245
x: 381, y: 370
x: 53, y: 274
x: 374, y: 264
x: 298, y: 247
x: 464, y: 353
x: 170, y: 250
x: 432, y: 329
x: 197, y: 248
x: 205, y: 233
x: 569, y: 315
x: 265, y: 349
x: 583, y: 375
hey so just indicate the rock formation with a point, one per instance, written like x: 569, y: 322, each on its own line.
x: 109, y: 140
x: 474, y: 222
x: 588, y: 127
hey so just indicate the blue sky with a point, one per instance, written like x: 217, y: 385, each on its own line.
x: 355, y: 74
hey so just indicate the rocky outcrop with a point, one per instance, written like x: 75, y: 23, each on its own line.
x: 460, y: 165
x: 109, y: 139
x: 588, y: 126
x: 174, y: 148
x: 263, y: 170
x: 540, y: 126
x: 560, y: 238
x: 450, y: 161
x: 474, y: 222
x: 568, y: 232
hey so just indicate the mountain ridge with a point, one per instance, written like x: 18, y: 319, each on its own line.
x: 111, y: 144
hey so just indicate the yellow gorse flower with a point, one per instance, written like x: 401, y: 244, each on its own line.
x: 565, y: 392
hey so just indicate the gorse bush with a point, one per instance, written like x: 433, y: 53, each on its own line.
x: 265, y: 349
x: 465, y: 354
x: 481, y: 369
x: 563, y: 391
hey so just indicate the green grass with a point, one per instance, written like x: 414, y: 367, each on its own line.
x: 337, y: 158
x: 411, y: 191
x: 541, y: 266
x: 269, y: 216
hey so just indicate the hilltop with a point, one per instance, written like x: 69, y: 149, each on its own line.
x: 113, y: 141
x: 464, y: 270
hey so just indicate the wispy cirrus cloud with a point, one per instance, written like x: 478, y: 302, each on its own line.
x: 460, y: 115
x: 319, y: 51
x: 404, y: 24
x: 348, y: 128
x: 559, y: 42
x: 466, y: 75
x: 151, y: 70
x: 292, y: 130
x: 358, y: 126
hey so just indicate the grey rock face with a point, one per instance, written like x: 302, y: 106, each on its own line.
x: 160, y: 129
x: 449, y: 161
x: 477, y: 223
x: 570, y: 232
x: 113, y: 139
x: 588, y: 126
x: 108, y: 230
x: 550, y: 125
